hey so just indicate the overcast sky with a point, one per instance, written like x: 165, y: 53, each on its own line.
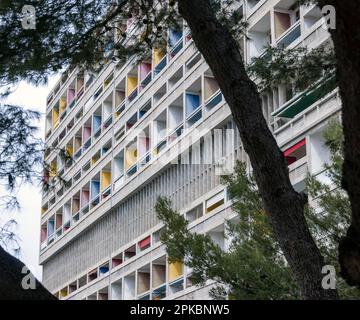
x: 28, y: 218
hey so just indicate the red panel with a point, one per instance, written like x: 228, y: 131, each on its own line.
x: 116, y: 262
x: 43, y: 234
x: 144, y: 243
x: 294, y: 147
x: 290, y: 160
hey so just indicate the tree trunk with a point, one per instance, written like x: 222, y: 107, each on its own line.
x: 346, y: 38
x: 11, y: 281
x: 283, y: 204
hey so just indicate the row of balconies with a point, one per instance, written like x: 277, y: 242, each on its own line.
x: 296, y: 169
x: 187, y: 106
x: 136, y: 80
x: 286, y: 28
x: 214, y: 119
x: 155, y: 279
x: 297, y: 159
x: 297, y: 173
x: 81, y: 149
x: 109, y: 179
x: 165, y: 129
x: 284, y: 24
x: 72, y: 174
x: 105, y: 110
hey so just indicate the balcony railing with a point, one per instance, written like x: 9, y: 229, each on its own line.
x: 87, y: 144
x: 305, y: 99
x: 176, y: 48
x: 108, y: 122
x: 298, y: 170
x: 78, y: 154
x: 72, y: 103
x: 144, y: 82
x: 80, y: 92
x: 213, y: 101
x: 120, y: 108
x: 160, y: 66
x: 176, y: 133
x: 132, y: 170
x: 106, y: 193
x: 160, y: 146
x: 133, y: 94
x: 145, y: 159
x: 119, y: 181
x: 293, y: 33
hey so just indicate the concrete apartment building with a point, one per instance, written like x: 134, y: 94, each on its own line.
x: 126, y: 126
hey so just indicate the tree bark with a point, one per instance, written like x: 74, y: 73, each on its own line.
x: 346, y: 38
x: 11, y: 278
x: 283, y: 204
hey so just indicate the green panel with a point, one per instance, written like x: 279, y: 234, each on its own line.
x: 307, y: 99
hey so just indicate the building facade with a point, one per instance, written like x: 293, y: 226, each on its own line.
x: 162, y: 127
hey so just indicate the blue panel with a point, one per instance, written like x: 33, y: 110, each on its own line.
x: 96, y: 123
x: 162, y: 64
x: 214, y: 101
x: 95, y: 188
x: 104, y: 269
x: 290, y: 37
x: 51, y: 227
x: 192, y: 102
x: 174, y: 37
x: 195, y: 118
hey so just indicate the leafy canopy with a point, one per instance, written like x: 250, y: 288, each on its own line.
x: 81, y: 33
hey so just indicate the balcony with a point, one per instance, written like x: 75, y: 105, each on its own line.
x: 305, y: 99
x: 160, y: 66
x: 292, y: 34
x: 133, y: 95
x: 298, y: 173
x: 259, y: 37
x: 176, y: 48
x: 213, y: 101
x: 147, y: 79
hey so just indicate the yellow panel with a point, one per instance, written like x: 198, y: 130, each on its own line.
x: 130, y: 157
x: 55, y: 117
x: 70, y: 150
x: 176, y: 270
x: 157, y: 56
x: 215, y: 205
x: 53, y: 169
x: 63, y: 293
x: 132, y: 83
x: 94, y: 159
x: 105, y: 179
x: 108, y: 80
x: 63, y: 104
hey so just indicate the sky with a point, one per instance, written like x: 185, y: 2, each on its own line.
x: 28, y: 217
